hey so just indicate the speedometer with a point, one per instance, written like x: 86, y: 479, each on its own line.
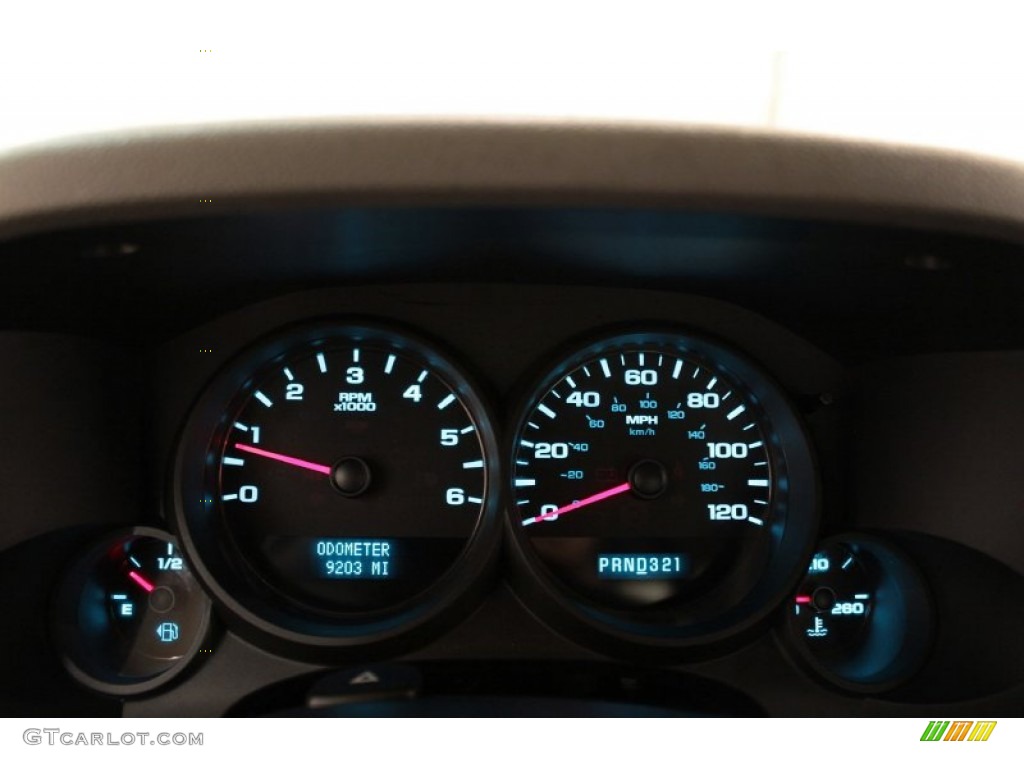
x: 663, y: 490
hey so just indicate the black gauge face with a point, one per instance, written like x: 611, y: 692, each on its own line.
x: 652, y: 480
x: 347, y: 476
x: 351, y: 476
x: 130, y: 613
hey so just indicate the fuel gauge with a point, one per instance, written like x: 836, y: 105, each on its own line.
x: 129, y: 614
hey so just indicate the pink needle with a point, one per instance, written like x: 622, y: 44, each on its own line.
x: 139, y: 579
x: 321, y: 468
x: 581, y: 503
x: 803, y: 599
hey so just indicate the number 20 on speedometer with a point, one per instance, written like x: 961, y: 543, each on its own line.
x: 662, y: 485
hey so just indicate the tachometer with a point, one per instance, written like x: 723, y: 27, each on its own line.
x: 335, y: 485
x: 663, y: 490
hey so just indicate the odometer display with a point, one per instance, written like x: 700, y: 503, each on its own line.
x: 652, y: 482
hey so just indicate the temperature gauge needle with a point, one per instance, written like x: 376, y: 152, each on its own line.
x: 141, y: 580
x: 301, y: 463
x: 581, y: 503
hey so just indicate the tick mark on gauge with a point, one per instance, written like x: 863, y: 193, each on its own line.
x: 467, y: 430
x: 756, y: 444
x: 289, y: 375
x: 321, y: 361
x: 546, y: 411
x: 677, y: 369
x: 231, y: 461
x: 263, y: 398
x: 355, y: 355
x: 478, y: 464
x: 757, y: 483
x: 389, y: 365
x: 525, y: 482
x: 570, y: 382
x: 422, y: 377
x: 605, y: 369
x: 711, y: 384
x: 446, y: 402
x: 735, y: 412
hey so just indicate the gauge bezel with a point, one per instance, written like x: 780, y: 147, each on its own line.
x: 615, y: 632
x: 255, y: 610
x: 897, y: 572
x: 65, y: 604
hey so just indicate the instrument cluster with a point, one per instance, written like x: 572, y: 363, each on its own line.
x: 349, y: 485
x: 535, y: 410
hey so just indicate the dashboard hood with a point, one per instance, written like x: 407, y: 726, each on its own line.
x: 231, y: 168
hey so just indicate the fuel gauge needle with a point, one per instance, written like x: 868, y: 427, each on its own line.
x: 577, y: 504
x: 141, y: 580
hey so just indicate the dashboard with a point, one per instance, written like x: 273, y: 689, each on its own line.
x: 428, y: 419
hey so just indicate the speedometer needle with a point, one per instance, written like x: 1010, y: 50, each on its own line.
x: 577, y: 504
x: 301, y: 463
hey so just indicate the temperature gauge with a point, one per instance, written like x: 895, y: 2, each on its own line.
x: 129, y: 614
x: 832, y: 608
x: 862, y: 616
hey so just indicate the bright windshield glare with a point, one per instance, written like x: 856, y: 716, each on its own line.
x: 77, y: 68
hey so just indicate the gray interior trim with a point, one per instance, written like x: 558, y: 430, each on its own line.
x: 167, y: 172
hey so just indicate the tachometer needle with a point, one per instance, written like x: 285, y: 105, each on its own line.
x: 301, y: 463
x: 139, y: 579
x: 577, y: 504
